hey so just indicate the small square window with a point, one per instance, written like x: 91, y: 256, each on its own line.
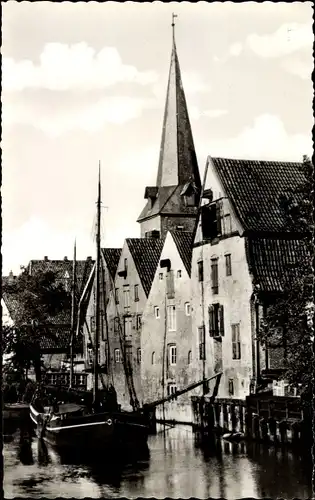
x: 187, y: 309
x: 160, y: 276
x: 157, y: 312
x: 179, y: 273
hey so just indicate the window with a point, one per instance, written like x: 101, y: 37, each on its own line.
x: 128, y: 325
x: 214, y: 276
x: 116, y: 324
x: 236, y: 344
x: 67, y: 277
x: 172, y: 354
x: 187, y: 309
x: 139, y: 318
x: 170, y: 289
x: 216, y: 321
x: 157, y: 312
x: 128, y: 351
x: 202, y: 350
x: 231, y: 387
x: 126, y: 266
x: 171, y: 389
x: 211, y: 220
x: 89, y: 355
x: 139, y: 355
x: 92, y: 323
x: 227, y: 224
x: 171, y: 318
x: 136, y: 293
x: 116, y: 295
x: 117, y: 356
x: 189, y: 357
x: 160, y: 276
x: 126, y: 297
x: 200, y: 270
x: 228, y: 265
x: 179, y: 274
x: 153, y: 358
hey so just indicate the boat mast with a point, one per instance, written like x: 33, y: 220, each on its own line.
x: 97, y: 290
x: 74, y: 268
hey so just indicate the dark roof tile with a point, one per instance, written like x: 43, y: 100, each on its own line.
x: 254, y: 189
x: 112, y: 256
x: 146, y: 254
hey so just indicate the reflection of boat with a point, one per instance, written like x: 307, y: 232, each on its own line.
x: 67, y: 424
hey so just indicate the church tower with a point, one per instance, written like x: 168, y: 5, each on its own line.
x: 172, y: 203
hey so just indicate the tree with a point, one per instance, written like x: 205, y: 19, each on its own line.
x: 289, y: 317
x: 37, y: 301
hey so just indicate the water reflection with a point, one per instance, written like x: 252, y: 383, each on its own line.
x: 175, y: 464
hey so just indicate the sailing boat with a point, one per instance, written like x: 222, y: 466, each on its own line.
x: 102, y: 424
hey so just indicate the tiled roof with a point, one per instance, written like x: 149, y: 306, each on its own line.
x: 254, y: 189
x: 112, y: 256
x: 270, y: 260
x: 146, y: 253
x: 183, y: 241
x: 57, y: 338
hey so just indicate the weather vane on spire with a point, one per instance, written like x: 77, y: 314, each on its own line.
x: 173, y: 24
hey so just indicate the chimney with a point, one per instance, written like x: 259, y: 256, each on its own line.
x: 65, y: 258
x: 89, y: 258
x: 45, y: 258
x: 10, y: 278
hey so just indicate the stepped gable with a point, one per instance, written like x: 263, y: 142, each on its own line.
x: 254, y: 189
x: 146, y: 253
x: 184, y: 241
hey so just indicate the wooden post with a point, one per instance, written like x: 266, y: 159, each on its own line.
x: 272, y: 424
x: 264, y: 430
x: 283, y: 432
x: 241, y: 418
x: 255, y: 426
x: 225, y: 417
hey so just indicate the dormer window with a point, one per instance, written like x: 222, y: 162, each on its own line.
x: 189, y: 193
x: 150, y: 194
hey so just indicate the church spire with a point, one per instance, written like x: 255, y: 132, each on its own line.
x: 177, y: 163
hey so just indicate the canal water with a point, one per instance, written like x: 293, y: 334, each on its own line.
x: 174, y: 465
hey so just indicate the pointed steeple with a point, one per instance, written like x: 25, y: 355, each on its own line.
x: 178, y: 162
x: 172, y: 203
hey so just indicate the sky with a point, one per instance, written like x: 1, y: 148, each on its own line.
x: 86, y: 82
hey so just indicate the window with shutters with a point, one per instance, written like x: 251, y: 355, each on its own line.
x: 214, y: 276
x: 216, y: 321
x: 202, y: 347
x: 172, y: 355
x: 117, y: 356
x: 126, y: 297
x: 139, y: 317
x: 170, y: 289
x: 236, y: 342
x: 211, y: 220
x: 171, y: 318
x: 128, y: 328
x: 136, y: 293
x: 200, y: 270
x: 228, y: 265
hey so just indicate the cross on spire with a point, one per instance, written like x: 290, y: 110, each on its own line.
x: 173, y: 24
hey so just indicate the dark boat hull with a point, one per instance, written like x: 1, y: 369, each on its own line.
x: 89, y: 432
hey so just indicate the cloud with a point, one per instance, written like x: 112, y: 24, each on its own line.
x: 78, y: 66
x: 266, y: 139
x: 287, y: 39
x: 236, y: 49
x: 299, y: 68
x: 114, y: 109
x: 196, y: 114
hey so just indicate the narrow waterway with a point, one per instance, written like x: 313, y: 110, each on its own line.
x: 174, y: 465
